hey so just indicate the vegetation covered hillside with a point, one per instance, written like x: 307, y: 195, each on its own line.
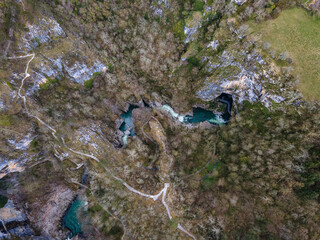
x: 169, y: 119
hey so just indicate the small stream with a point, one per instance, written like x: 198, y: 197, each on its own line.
x: 70, y: 219
x: 198, y: 115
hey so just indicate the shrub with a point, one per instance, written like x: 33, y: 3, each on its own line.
x: 178, y: 30
x: 48, y: 84
x: 95, y: 208
x: 3, y: 201
x: 88, y: 84
x: 5, y: 120
x: 198, y: 6
x: 194, y: 61
x: 311, y: 176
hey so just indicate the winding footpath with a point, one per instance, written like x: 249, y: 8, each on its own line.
x: 163, y: 192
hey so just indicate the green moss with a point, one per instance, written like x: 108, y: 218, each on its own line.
x: 146, y: 16
x: 7, y: 23
x: 48, y: 84
x: 173, y: 223
x: 105, y: 216
x: 95, y: 208
x: 198, y: 5
x: 100, y: 192
x: 3, y: 201
x: 88, y: 193
x: 244, y: 159
x: 115, y: 230
x: 76, y: 6
x: 178, y: 30
x: 272, y: 8
x: 241, y: 8
x: 95, y: 74
x: 34, y: 143
x: 110, y: 67
x: 310, y: 178
x: 211, y: 166
x: 281, y: 63
x: 5, y: 120
x: 256, y: 116
x: 193, y: 61
x: 208, y: 183
x: 9, y: 84
x: 211, y: 19
x: 36, y: 41
x: 88, y: 84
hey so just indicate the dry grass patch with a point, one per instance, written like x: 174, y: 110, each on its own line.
x: 298, y: 33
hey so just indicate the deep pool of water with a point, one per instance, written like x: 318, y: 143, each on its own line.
x: 128, y: 121
x: 202, y: 115
x: 198, y: 115
x: 127, y: 124
x: 70, y: 219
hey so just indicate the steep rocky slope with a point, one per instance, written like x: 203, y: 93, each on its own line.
x: 157, y: 119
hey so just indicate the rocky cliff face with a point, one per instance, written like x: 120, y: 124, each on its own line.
x: 315, y: 5
x: 69, y: 70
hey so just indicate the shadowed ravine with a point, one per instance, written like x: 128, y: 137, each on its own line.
x: 163, y: 192
x: 198, y: 115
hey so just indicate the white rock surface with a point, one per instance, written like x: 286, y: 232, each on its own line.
x: 11, y: 165
x: 8, y: 213
x: 44, y: 31
x: 80, y: 72
x: 239, y: 2
x: 247, y: 83
x: 23, y: 143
